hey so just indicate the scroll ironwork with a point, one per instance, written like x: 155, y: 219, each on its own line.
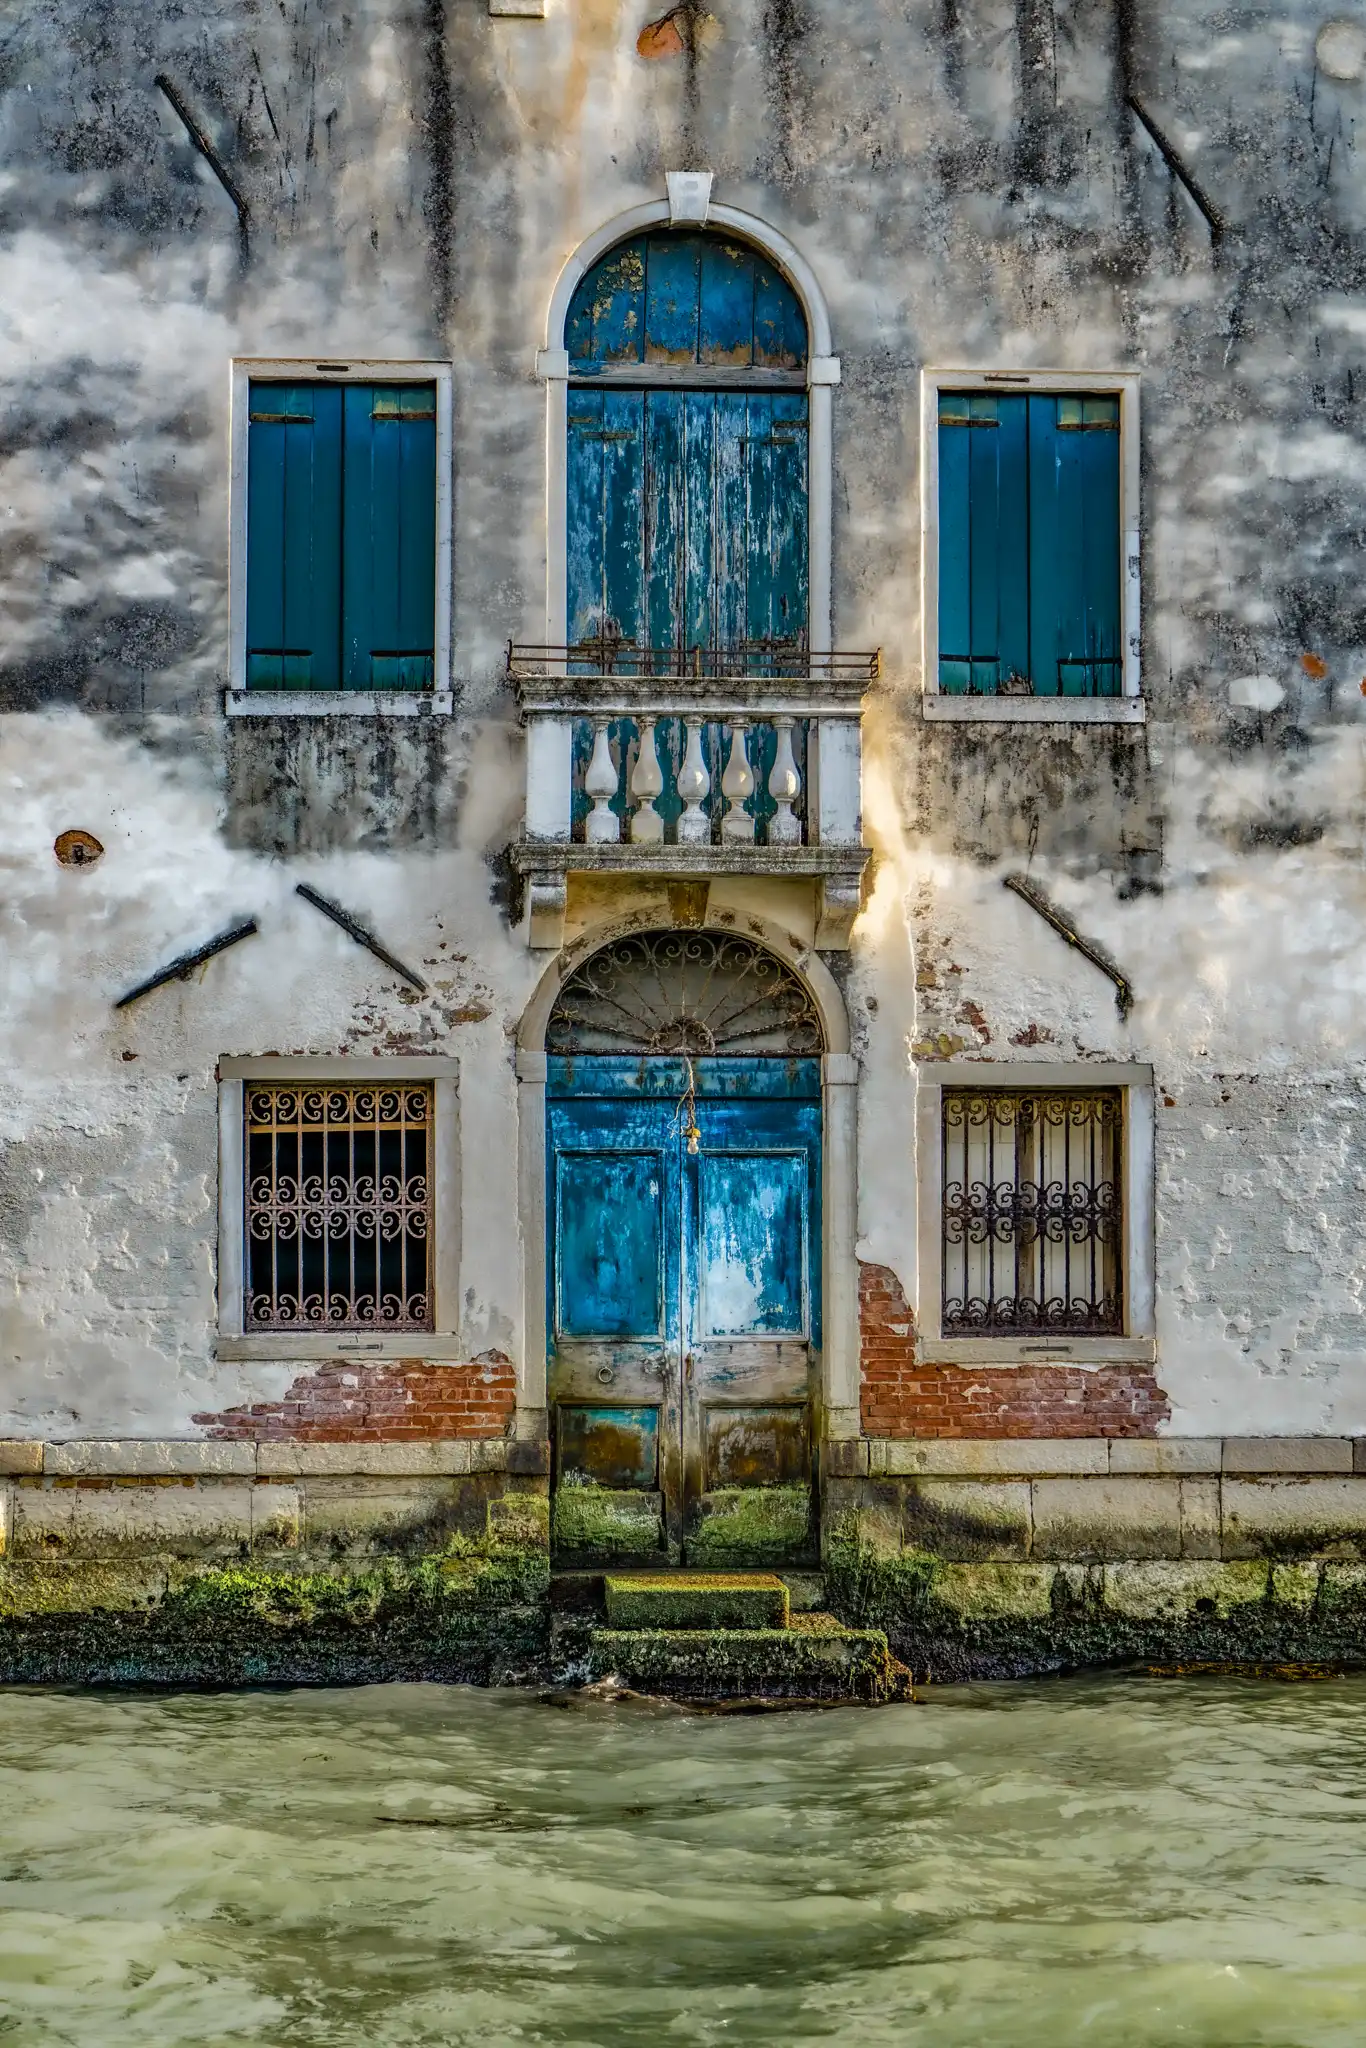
x: 690, y: 993
x: 338, y: 1207
x: 1033, y: 1212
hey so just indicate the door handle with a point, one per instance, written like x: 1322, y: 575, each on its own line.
x: 687, y: 1366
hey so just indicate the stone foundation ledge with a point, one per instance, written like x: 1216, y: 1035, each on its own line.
x: 1173, y: 1456
x: 1100, y: 1517
x: 204, y: 1457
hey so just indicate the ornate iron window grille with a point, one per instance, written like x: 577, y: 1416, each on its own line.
x: 1033, y: 1213
x: 338, y: 1207
x: 684, y: 993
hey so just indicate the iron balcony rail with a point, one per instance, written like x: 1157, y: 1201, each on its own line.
x: 748, y: 661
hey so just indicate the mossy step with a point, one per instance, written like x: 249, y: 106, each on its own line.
x: 695, y: 1600
x: 814, y: 1657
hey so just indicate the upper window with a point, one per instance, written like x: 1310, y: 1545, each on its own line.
x: 1031, y: 545
x: 341, y: 535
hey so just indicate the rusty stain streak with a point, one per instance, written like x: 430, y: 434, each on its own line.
x: 215, y: 163
x: 1124, y: 994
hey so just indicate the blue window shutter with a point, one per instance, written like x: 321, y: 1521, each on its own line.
x: 666, y: 519
x: 605, y: 514
x: 1074, y: 545
x: 983, y: 529
x: 389, y: 536
x: 294, y: 532
x: 955, y: 552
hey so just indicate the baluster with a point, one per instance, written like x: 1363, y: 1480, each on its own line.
x: 737, y: 783
x: 784, y: 786
x: 647, y: 782
x: 694, y: 787
x: 602, y: 823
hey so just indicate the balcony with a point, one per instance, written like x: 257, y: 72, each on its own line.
x: 690, y: 764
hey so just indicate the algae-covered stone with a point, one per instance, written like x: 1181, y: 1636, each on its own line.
x: 1343, y: 1590
x: 1296, y: 1585
x: 751, y: 1525
x: 997, y: 1591
x: 519, y: 1521
x: 693, y: 1600
x: 813, y: 1658
x: 78, y: 1586
x: 601, y: 1521
x: 1171, y: 1591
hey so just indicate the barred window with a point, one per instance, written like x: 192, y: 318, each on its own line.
x: 338, y: 1207
x: 1033, y: 1216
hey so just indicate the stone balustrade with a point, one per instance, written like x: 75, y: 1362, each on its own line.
x: 692, y: 774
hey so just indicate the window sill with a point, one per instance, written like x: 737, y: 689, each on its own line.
x: 283, y: 1347
x: 338, y: 703
x: 1014, y: 1351
x: 1035, y: 710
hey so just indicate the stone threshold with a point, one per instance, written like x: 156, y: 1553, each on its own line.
x: 1081, y: 1457
x: 209, y: 1458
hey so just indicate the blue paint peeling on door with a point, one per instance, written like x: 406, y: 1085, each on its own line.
x: 683, y: 1288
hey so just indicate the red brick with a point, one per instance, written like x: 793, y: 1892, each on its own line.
x: 398, y: 1401
x: 903, y: 1397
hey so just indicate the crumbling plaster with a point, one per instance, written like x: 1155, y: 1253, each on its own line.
x: 969, y: 187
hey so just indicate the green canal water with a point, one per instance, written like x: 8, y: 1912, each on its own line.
x: 1110, y: 1862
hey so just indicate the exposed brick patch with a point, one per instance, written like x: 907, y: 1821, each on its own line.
x: 903, y: 1398
x: 403, y: 1400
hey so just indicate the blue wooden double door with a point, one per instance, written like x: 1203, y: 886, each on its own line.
x: 684, y: 1289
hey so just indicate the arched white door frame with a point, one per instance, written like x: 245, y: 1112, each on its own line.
x: 822, y: 374
x: 839, y: 1403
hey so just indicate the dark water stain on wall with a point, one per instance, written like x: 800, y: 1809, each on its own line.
x: 314, y: 785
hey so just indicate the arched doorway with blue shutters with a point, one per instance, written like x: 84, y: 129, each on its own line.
x: 687, y: 538
x: 683, y: 1268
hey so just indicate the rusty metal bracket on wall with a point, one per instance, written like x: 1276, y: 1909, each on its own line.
x: 182, y: 968
x: 357, y: 931
x: 215, y: 163
x: 1124, y: 994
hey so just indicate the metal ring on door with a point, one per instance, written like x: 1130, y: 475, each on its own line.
x: 605, y: 1375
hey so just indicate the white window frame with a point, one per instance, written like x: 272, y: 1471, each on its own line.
x: 283, y: 1346
x: 239, y: 701
x: 1138, y: 1345
x: 1129, y: 707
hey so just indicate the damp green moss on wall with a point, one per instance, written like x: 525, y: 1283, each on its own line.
x: 476, y: 1611
x: 605, y: 1522
x: 954, y: 1621
x: 742, y: 1526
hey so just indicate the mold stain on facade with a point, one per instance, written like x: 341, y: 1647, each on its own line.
x: 895, y: 499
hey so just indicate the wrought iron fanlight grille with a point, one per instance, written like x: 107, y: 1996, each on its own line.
x: 1033, y: 1215
x: 338, y: 1208
x: 684, y: 993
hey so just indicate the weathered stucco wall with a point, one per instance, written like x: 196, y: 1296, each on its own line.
x: 970, y: 188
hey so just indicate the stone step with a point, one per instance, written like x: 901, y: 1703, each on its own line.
x: 814, y: 1657
x: 695, y: 1600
